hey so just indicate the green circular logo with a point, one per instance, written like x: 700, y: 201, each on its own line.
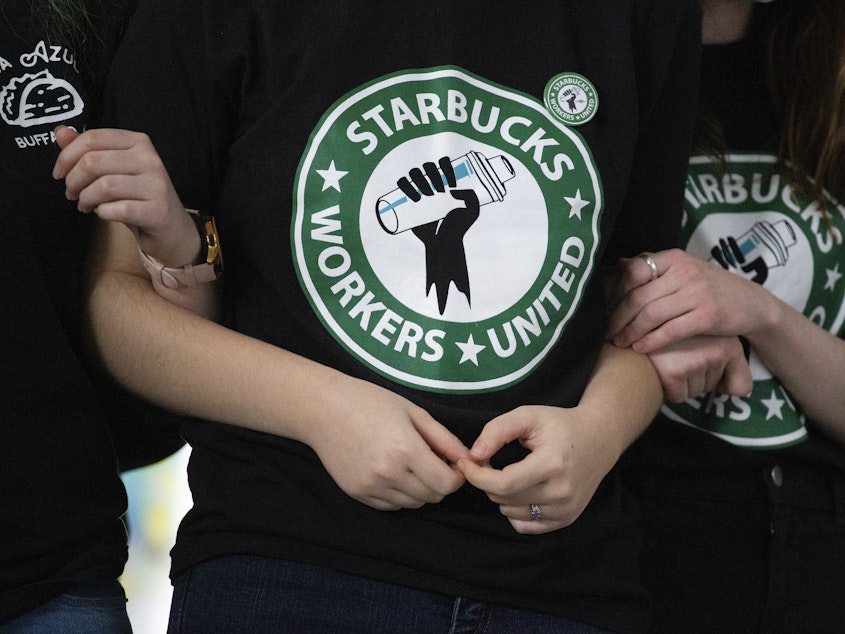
x: 750, y: 222
x: 444, y: 228
x: 571, y: 98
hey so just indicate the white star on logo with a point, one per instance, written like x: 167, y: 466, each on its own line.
x: 576, y: 204
x: 833, y: 276
x: 331, y: 177
x: 774, y: 405
x: 470, y: 350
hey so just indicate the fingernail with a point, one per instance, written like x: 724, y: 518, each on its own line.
x: 479, y: 449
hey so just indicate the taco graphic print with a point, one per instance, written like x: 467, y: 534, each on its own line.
x: 752, y: 223
x: 444, y: 228
x: 40, y: 87
x: 38, y: 99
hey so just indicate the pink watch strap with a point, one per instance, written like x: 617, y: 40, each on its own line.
x: 176, y: 277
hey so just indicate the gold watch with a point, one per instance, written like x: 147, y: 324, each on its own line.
x: 210, y: 265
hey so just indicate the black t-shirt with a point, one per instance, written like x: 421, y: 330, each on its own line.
x: 566, y: 126
x: 61, y: 500
x: 788, y: 249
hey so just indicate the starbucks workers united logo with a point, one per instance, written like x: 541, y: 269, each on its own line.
x: 751, y: 222
x: 444, y: 228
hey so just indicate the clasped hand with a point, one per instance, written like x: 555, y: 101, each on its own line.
x: 383, y: 451
x: 388, y: 453
x: 118, y: 175
x: 569, y: 457
x: 688, y: 320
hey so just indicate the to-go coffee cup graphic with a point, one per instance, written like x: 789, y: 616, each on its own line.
x: 486, y: 177
x: 769, y: 242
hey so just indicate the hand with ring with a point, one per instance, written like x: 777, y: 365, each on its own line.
x: 688, y: 297
x: 682, y: 312
x: 632, y: 273
x: 652, y: 265
x: 548, y: 489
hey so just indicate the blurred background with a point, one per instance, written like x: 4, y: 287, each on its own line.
x: 158, y: 499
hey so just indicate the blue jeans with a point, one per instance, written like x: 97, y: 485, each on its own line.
x: 254, y: 594
x: 94, y: 609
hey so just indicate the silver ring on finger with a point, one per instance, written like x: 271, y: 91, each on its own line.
x: 535, y: 512
x: 651, y: 265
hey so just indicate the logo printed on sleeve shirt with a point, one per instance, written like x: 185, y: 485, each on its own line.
x: 445, y: 228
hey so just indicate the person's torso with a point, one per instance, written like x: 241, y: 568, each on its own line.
x: 471, y: 301
x: 62, y: 497
x: 749, y: 220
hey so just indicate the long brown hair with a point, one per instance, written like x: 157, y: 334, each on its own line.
x: 71, y: 21
x: 805, y: 49
x: 803, y: 45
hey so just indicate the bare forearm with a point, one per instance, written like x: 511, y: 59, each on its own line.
x: 809, y: 361
x: 624, y: 391
x: 186, y: 363
x: 693, y: 298
x: 191, y: 365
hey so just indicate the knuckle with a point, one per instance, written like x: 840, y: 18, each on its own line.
x: 649, y: 313
x: 497, y: 492
x: 510, y: 488
x: 565, y: 490
x: 675, y: 375
x: 434, y: 498
x: 89, y: 163
x: 139, y: 138
x: 381, y: 469
x: 108, y: 186
x: 149, y: 162
x: 673, y: 393
x: 380, y: 473
x: 457, y: 481
x: 89, y: 138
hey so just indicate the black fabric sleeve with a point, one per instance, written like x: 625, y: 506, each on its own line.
x: 161, y: 84
x: 652, y: 211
